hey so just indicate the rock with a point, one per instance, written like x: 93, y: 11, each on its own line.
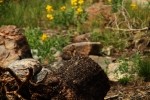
x: 111, y: 72
x: 109, y: 51
x: 13, y: 45
x: 42, y: 75
x: 102, y: 61
x: 82, y: 48
x: 100, y: 9
x: 20, y: 67
x: 85, y: 78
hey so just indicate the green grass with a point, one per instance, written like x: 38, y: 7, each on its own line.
x: 32, y: 13
x: 134, y: 65
x: 22, y: 13
x: 139, y: 17
x: 110, y: 38
x: 124, y: 80
x: 144, y: 69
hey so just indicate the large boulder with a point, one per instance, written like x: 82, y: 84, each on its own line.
x: 13, y: 45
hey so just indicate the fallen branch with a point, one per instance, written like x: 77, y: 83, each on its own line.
x: 127, y: 30
x: 111, y: 97
x: 22, y: 86
x: 12, y: 74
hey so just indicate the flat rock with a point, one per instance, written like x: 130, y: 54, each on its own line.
x: 102, y: 61
x: 13, y: 45
x: 82, y: 48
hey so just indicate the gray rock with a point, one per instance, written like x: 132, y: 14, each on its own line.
x: 102, y: 61
x: 20, y: 67
x: 42, y: 75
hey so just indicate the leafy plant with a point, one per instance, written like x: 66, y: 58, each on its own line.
x: 116, y: 4
x: 124, y: 67
x: 109, y: 38
x: 45, y: 46
x: 123, y: 72
x: 67, y: 15
x: 125, y: 80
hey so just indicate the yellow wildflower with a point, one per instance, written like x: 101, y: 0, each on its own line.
x: 1, y: 1
x: 44, y: 36
x: 49, y: 8
x: 109, y: 1
x: 50, y: 16
x: 63, y: 8
x: 79, y: 10
x: 134, y: 6
x: 81, y: 2
x: 74, y: 2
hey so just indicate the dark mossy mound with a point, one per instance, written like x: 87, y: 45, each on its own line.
x: 85, y: 77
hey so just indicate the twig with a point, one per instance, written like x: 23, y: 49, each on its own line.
x: 116, y: 21
x: 19, y: 82
x: 127, y: 30
x: 125, y: 13
x: 28, y: 77
x: 112, y: 97
x: 16, y: 94
x: 12, y: 74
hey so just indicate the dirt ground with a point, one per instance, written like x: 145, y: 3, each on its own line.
x: 138, y: 90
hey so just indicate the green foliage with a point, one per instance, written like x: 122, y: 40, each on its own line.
x: 116, y: 4
x: 64, y: 18
x: 57, y: 4
x: 21, y: 13
x: 68, y: 16
x: 110, y: 38
x: 140, y: 66
x: 126, y: 18
x: 125, y: 80
x: 47, y: 48
x: 124, y: 71
x: 144, y: 69
x: 124, y: 67
x: 139, y: 16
